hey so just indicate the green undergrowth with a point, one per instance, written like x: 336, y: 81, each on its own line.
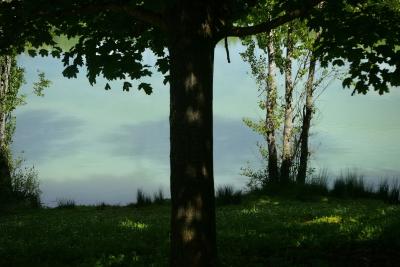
x: 261, y: 231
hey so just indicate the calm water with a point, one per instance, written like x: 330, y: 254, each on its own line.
x: 93, y: 145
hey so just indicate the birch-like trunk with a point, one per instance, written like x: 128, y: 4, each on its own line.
x: 308, y: 112
x: 288, y: 122
x: 5, y: 177
x: 270, y: 103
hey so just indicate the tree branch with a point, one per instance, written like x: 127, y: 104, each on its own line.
x: 274, y: 23
x: 141, y: 14
x: 136, y: 12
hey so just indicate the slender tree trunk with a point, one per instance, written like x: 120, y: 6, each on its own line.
x: 191, y: 49
x: 305, y: 129
x: 288, y: 123
x: 5, y: 176
x: 273, y: 171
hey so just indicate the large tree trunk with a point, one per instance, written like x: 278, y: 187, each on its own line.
x: 288, y: 123
x: 5, y: 177
x: 273, y: 171
x: 191, y: 49
x: 305, y: 129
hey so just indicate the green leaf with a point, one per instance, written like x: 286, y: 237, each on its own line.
x: 70, y: 71
x: 146, y: 87
x: 39, y: 86
x: 126, y: 86
x: 32, y: 52
x: 347, y: 82
x: 43, y: 52
x: 56, y: 53
x: 107, y: 87
x: 338, y: 62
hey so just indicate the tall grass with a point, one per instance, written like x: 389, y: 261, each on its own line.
x: 351, y: 184
x: 66, y: 204
x: 142, y: 199
x: 158, y: 197
x: 318, y: 184
x: 383, y: 189
x: 348, y: 184
x: 393, y: 193
x: 227, y: 195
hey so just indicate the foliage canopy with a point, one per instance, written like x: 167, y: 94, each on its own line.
x: 112, y: 35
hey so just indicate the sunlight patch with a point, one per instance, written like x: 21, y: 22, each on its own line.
x: 252, y: 210
x: 326, y: 219
x: 133, y: 225
x: 370, y: 232
x: 264, y: 201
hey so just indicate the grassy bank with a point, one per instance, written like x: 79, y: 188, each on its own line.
x: 262, y: 231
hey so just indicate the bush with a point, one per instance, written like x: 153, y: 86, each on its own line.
x: 25, y: 184
x: 226, y: 195
x: 66, y: 204
x: 142, y: 199
x: 258, y: 179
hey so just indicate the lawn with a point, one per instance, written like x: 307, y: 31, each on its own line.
x: 262, y: 231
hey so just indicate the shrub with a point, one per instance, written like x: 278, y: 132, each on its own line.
x: 25, y: 184
x: 258, y: 179
x: 158, y: 197
x: 142, y: 199
x: 66, y: 204
x: 226, y: 195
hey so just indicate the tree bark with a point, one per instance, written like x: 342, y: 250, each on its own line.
x: 288, y: 124
x: 305, y: 129
x: 5, y: 176
x: 273, y: 171
x: 191, y: 50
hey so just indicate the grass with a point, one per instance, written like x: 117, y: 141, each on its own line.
x: 66, y: 204
x: 349, y: 184
x: 227, y: 195
x: 158, y: 197
x: 261, y: 231
x: 142, y: 199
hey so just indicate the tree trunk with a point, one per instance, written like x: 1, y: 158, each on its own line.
x: 191, y: 49
x: 288, y: 123
x: 5, y: 176
x: 273, y: 171
x: 305, y: 129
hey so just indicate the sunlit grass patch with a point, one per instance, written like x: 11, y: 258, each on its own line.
x: 133, y: 225
x: 326, y: 219
x: 249, y: 211
x: 264, y: 201
x: 117, y: 260
x: 370, y: 232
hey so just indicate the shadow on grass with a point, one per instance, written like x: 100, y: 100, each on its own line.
x: 288, y: 234
x: 262, y: 231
